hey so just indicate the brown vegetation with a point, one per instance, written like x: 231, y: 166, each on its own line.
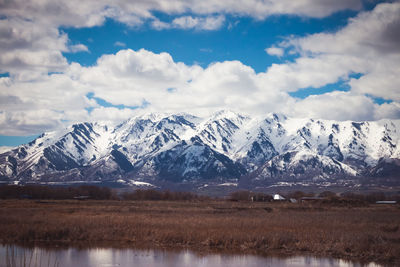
x: 151, y: 194
x: 366, y: 233
x: 249, y: 196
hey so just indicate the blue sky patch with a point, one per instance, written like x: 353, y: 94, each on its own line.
x: 6, y: 140
x: 245, y: 40
x: 305, y: 92
x: 104, y: 103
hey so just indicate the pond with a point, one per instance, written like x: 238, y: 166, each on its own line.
x: 109, y: 257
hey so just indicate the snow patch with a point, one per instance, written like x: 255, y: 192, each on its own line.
x: 139, y: 183
x: 228, y: 184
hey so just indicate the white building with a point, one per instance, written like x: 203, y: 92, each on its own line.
x: 278, y: 197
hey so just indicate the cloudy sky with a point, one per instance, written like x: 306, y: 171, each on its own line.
x: 66, y: 61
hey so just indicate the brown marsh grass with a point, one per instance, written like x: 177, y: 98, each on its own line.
x: 363, y: 233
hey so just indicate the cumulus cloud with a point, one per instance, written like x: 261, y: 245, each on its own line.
x: 111, y: 114
x: 335, y: 106
x: 339, y: 105
x: 160, y: 25
x: 275, y: 51
x: 78, y: 48
x: 388, y: 111
x: 383, y: 82
x: 131, y: 77
x: 207, y: 23
x: 43, y: 103
x: 26, y: 123
x: 368, y: 45
x: 27, y: 47
x: 189, y: 22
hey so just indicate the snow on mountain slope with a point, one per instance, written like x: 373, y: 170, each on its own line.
x: 296, y: 165
x: 79, y: 145
x: 4, y: 149
x: 180, y: 147
x: 219, y: 130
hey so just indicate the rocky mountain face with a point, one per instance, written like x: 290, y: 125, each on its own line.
x: 224, y: 148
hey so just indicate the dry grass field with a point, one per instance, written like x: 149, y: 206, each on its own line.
x: 362, y: 233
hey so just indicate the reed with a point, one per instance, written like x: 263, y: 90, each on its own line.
x: 15, y: 257
x: 360, y: 232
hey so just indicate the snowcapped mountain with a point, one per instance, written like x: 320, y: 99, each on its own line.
x: 223, y: 147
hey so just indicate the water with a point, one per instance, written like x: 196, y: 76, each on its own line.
x: 110, y: 257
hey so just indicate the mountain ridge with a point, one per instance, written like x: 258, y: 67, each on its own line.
x: 224, y: 147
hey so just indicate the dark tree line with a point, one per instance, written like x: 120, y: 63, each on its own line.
x: 51, y: 192
x: 91, y: 192
x: 105, y: 193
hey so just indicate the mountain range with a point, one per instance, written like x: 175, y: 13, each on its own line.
x: 225, y: 148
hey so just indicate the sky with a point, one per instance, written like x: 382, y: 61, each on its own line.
x: 63, y: 62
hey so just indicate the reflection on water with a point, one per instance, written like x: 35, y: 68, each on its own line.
x: 109, y: 257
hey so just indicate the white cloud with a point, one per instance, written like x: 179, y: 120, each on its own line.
x: 30, y: 107
x: 388, y: 111
x: 383, y: 82
x: 275, y: 51
x: 78, y: 48
x: 188, y: 22
x: 369, y: 45
x: 121, y: 44
x: 27, y: 48
x: 130, y: 77
x: 311, y: 72
x: 339, y: 105
x: 211, y: 23
x: 111, y: 114
x: 160, y: 25
x: 207, y: 23
x: 335, y: 106
x: 27, y: 123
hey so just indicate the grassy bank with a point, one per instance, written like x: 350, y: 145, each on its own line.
x: 363, y: 233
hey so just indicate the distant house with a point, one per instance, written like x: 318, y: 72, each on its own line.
x: 278, y: 197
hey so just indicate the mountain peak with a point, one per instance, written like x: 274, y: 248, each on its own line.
x: 226, y: 113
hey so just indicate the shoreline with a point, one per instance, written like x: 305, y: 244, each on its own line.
x: 358, y: 234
